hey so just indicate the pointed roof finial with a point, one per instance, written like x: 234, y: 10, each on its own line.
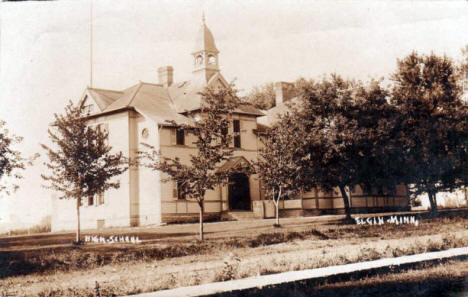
x: 203, y: 18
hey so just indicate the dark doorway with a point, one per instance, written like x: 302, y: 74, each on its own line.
x: 239, y: 192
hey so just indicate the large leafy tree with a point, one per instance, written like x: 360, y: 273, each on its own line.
x: 11, y: 161
x: 348, y: 126
x: 281, y: 160
x: 80, y: 162
x: 433, y: 125
x: 262, y: 97
x: 210, y: 128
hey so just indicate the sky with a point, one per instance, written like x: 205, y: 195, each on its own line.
x: 45, y: 53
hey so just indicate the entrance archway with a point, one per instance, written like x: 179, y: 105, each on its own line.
x: 239, y: 192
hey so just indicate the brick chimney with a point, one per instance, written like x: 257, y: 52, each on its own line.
x: 283, y: 92
x: 165, y: 75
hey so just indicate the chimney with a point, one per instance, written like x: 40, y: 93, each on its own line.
x: 283, y: 92
x: 165, y: 75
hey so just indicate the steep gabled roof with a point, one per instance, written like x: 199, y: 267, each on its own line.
x: 186, y: 95
x: 153, y: 101
x: 235, y: 163
x: 272, y: 115
x: 124, y: 100
x: 101, y: 97
x: 150, y: 100
x: 159, y: 103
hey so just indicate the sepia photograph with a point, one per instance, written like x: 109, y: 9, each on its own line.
x: 233, y: 148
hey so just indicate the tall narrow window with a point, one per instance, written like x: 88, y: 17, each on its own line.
x: 237, y: 137
x: 90, y: 200
x: 104, y: 127
x: 177, y: 192
x: 180, y: 137
x: 100, y: 199
x: 180, y: 192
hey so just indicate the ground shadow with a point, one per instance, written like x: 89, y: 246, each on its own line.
x: 336, y: 285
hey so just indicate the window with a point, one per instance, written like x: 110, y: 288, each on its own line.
x: 145, y: 133
x: 199, y: 60
x: 237, y: 138
x: 89, y: 109
x: 180, y: 137
x: 211, y: 59
x: 104, y: 128
x: 177, y: 192
x: 101, y: 224
x: 100, y: 199
x: 90, y: 200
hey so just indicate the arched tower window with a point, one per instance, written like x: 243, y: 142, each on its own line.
x: 199, y: 60
x: 211, y: 60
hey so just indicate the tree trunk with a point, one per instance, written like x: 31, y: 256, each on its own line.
x: 201, y: 221
x: 277, y: 207
x: 78, y: 229
x: 346, y: 202
x: 277, y: 213
x: 433, y: 201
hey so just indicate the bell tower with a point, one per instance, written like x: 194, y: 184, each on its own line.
x: 205, y: 54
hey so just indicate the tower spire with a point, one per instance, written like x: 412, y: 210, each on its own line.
x: 205, y: 53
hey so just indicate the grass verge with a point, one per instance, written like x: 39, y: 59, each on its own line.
x: 74, y: 258
x: 122, y: 279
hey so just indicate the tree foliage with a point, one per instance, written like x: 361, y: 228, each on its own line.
x: 212, y: 147
x: 80, y: 163
x: 281, y: 160
x: 348, y: 127
x: 262, y: 97
x: 11, y: 161
x: 433, y: 125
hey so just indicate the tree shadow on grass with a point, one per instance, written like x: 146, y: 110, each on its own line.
x: 344, y: 285
x: 429, y: 288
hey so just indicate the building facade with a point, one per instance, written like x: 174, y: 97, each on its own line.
x: 148, y: 113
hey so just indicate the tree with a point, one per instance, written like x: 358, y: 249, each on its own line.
x: 210, y: 127
x: 463, y: 73
x: 262, y: 97
x: 433, y: 128
x: 281, y: 160
x: 348, y: 126
x: 81, y: 163
x: 464, y: 63
x: 11, y: 161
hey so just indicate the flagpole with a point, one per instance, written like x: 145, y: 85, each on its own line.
x: 91, y: 44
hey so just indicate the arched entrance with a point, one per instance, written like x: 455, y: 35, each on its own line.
x: 239, y: 192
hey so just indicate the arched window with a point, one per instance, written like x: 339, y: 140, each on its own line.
x: 199, y: 60
x: 211, y: 59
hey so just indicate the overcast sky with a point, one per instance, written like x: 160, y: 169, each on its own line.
x: 44, y: 52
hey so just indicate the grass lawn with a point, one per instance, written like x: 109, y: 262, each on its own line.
x: 251, y: 249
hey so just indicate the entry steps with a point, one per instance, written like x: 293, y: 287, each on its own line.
x: 239, y: 215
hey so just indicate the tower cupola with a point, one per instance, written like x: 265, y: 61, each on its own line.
x: 205, y: 53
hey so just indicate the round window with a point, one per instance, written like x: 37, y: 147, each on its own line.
x: 145, y: 133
